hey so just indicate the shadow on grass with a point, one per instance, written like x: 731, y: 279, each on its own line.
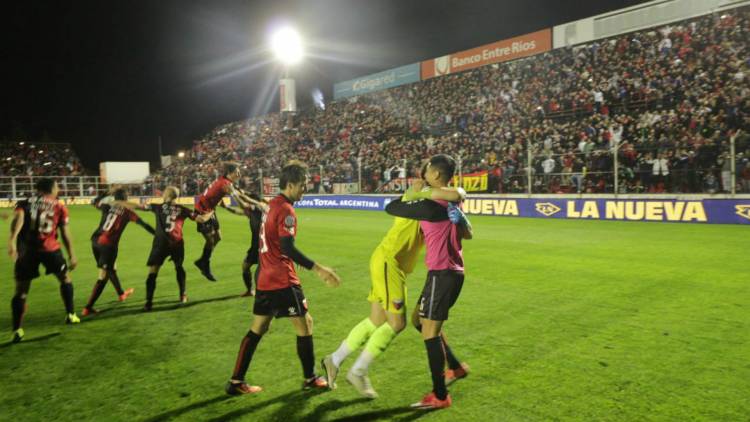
x: 408, y: 413
x: 291, y: 400
x: 118, y: 312
x: 185, y: 409
x: 31, y: 340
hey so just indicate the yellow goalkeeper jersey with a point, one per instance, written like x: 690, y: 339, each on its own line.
x: 403, y: 242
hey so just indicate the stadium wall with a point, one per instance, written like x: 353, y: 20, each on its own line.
x: 636, y: 18
x: 703, y: 209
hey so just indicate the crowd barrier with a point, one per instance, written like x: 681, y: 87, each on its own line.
x: 715, y: 209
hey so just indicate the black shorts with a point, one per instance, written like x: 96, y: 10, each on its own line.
x: 288, y: 302
x: 105, y: 255
x: 27, y: 265
x: 161, y: 250
x: 209, y: 226
x: 440, y: 292
x: 252, y: 256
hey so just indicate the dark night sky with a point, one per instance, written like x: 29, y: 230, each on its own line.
x: 112, y: 76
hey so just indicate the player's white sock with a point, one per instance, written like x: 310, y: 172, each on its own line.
x: 341, y: 353
x: 362, y: 364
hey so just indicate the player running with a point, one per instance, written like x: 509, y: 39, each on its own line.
x: 207, y: 203
x: 391, y: 262
x: 279, y: 292
x: 444, y: 279
x: 33, y: 241
x: 254, y: 214
x: 168, y: 241
x: 105, y: 242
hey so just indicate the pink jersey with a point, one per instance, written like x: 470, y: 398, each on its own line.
x: 443, y: 244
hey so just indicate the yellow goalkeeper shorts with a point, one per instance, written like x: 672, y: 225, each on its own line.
x: 388, y: 283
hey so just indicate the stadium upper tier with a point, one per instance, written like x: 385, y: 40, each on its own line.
x: 668, y: 98
x: 39, y: 159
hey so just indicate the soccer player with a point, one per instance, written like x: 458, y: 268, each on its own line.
x: 279, y: 292
x: 391, y: 262
x: 207, y: 203
x: 33, y: 241
x: 445, y: 278
x: 254, y: 213
x: 168, y: 241
x: 105, y: 240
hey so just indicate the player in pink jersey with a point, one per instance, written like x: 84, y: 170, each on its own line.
x: 444, y: 261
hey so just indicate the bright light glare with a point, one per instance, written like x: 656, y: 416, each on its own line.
x: 181, y: 154
x: 287, y: 46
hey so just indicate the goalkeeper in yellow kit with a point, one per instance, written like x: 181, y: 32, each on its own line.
x: 390, y: 263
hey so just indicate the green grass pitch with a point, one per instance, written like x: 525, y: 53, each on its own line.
x: 559, y: 320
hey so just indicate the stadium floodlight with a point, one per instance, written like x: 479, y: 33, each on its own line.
x: 181, y: 154
x: 287, y: 46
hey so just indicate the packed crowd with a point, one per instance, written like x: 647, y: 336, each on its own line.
x: 664, y: 103
x: 38, y: 159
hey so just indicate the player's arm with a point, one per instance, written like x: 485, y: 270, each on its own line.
x: 15, y: 229
x: 417, y: 210
x: 457, y: 216
x: 233, y: 210
x: 325, y: 273
x: 139, y: 221
x: 67, y: 239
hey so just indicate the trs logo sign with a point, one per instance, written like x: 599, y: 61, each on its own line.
x: 547, y: 209
x: 743, y: 211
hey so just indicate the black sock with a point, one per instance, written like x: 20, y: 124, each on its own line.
x: 306, y: 355
x: 247, y: 348
x: 453, y: 362
x: 247, y: 278
x: 150, y: 288
x: 436, y: 358
x: 96, y: 292
x: 181, y: 279
x: 207, y: 250
x: 116, y: 282
x: 66, y: 291
x: 18, y: 307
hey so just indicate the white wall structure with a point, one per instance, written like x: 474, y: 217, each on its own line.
x: 647, y: 15
x: 124, y: 171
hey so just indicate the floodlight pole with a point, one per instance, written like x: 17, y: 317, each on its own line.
x: 359, y: 174
x: 733, y: 163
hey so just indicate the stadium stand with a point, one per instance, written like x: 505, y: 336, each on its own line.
x: 669, y: 98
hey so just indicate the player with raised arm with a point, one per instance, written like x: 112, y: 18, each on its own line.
x: 207, y: 202
x: 105, y: 240
x: 445, y: 278
x: 391, y: 262
x: 168, y: 241
x: 33, y: 241
x: 279, y: 292
x: 254, y: 214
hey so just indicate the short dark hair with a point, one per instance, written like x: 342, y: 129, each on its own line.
x: 445, y: 165
x: 120, y: 194
x: 44, y: 185
x: 229, y: 167
x: 294, y: 172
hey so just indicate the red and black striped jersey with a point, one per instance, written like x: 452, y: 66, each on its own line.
x: 113, y: 222
x: 169, y: 221
x: 43, y: 214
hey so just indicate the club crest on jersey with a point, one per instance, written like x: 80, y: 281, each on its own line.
x: 289, y: 221
x: 398, y: 304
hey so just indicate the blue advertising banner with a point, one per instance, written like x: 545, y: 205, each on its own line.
x: 348, y: 202
x: 710, y: 211
x: 377, y: 81
x: 716, y: 211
